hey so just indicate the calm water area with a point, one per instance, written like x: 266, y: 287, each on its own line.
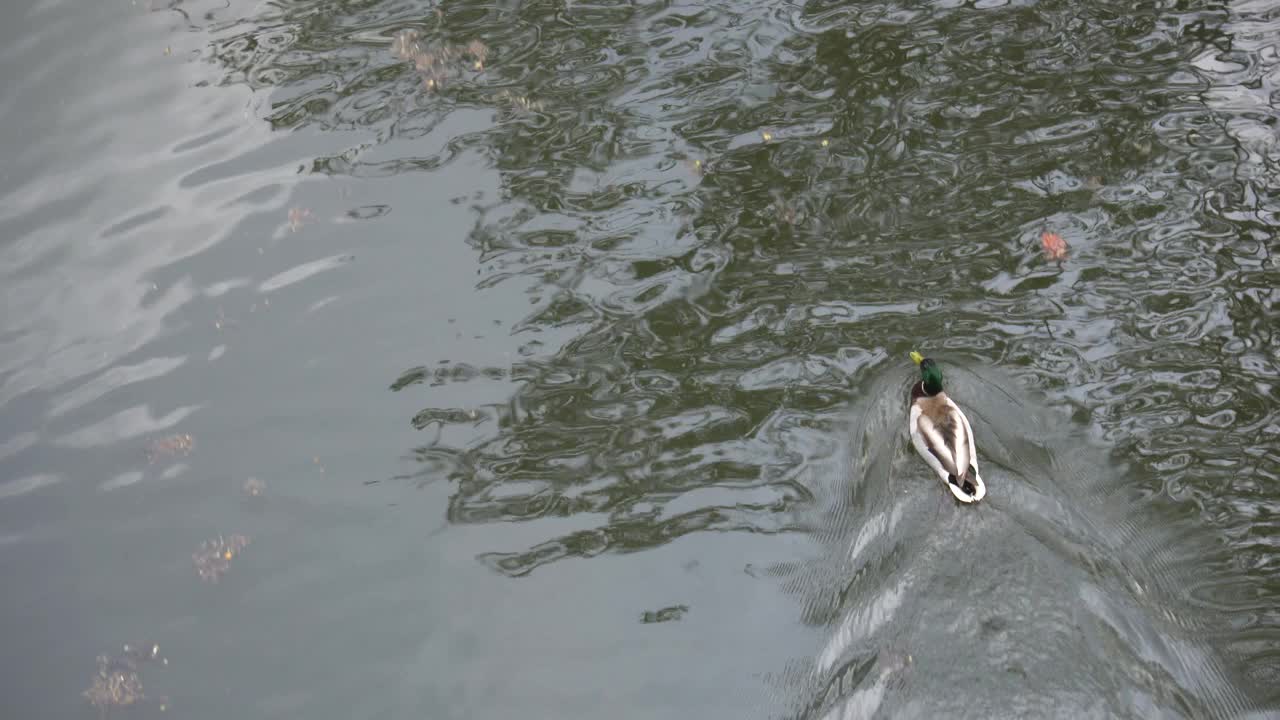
x: 549, y: 359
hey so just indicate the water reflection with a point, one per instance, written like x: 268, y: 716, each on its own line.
x: 722, y: 318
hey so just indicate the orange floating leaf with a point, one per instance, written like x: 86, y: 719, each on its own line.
x: 1055, y: 248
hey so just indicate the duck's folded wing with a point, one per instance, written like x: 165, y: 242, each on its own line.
x: 973, y: 450
x: 934, y: 439
x: 963, y: 446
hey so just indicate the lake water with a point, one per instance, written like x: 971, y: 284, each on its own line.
x: 549, y: 359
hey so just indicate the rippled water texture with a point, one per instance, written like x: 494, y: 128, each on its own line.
x: 549, y: 359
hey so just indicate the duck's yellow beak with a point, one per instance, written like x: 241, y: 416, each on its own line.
x: 917, y: 357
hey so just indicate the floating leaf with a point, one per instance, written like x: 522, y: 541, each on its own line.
x: 1055, y: 248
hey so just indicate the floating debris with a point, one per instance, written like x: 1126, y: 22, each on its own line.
x: 896, y: 661
x: 788, y: 211
x: 171, y: 446
x: 666, y: 614
x: 405, y: 44
x: 213, y: 559
x: 448, y: 416
x: 298, y: 216
x: 253, y: 487
x: 117, y: 682
x: 143, y: 653
x: 478, y: 52
x: 437, y: 62
x: 1055, y: 248
x: 519, y: 103
x: 220, y: 321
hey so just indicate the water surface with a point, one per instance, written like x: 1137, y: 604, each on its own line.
x: 550, y: 358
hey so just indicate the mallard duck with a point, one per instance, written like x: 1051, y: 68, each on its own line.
x: 941, y: 434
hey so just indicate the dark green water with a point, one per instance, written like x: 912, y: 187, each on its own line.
x: 569, y: 342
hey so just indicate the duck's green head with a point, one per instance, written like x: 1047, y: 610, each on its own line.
x: 929, y: 373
